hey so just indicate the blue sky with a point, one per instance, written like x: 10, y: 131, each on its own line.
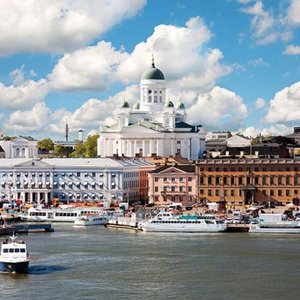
x: 234, y: 63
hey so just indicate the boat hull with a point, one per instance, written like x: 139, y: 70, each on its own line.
x: 199, y: 228
x: 275, y: 230
x: 15, y: 267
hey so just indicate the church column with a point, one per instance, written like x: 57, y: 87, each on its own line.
x: 134, y: 148
x: 160, y: 151
x: 122, y: 147
x: 172, y: 147
x: 150, y: 147
x: 144, y: 149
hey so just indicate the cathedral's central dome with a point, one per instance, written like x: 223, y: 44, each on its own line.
x: 153, y: 73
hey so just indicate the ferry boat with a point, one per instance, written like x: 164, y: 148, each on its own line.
x: 90, y: 219
x: 169, y: 222
x: 14, y: 256
x: 275, y: 223
x: 57, y: 214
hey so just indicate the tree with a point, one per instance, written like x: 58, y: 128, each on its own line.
x: 79, y: 150
x: 62, y: 151
x: 90, y: 146
x: 46, y: 144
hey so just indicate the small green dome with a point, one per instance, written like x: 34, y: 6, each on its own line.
x: 153, y: 73
x: 180, y: 105
x: 125, y: 104
x: 169, y: 104
x: 136, y: 105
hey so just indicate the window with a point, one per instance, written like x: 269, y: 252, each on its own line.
x: 287, y: 193
x: 156, y: 179
x: 172, y: 188
x: 232, y: 180
x: 272, y: 180
x: 271, y: 192
x: 217, y: 193
x: 190, y: 189
x: 156, y: 189
x: 232, y: 193
x: 173, y: 179
x: 279, y: 193
x: 280, y: 180
x: 264, y: 180
x: 240, y: 180
x: 209, y: 192
x: 287, y: 180
x: 189, y: 178
x: 165, y: 179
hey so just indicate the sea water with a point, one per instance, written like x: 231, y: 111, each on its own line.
x: 106, y: 263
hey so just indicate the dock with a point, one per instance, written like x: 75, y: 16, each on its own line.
x: 237, y: 227
x: 123, y: 222
x: 26, y: 228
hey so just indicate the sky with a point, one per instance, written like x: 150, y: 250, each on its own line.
x: 233, y: 63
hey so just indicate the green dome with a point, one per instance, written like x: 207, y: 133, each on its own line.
x: 136, y: 105
x: 169, y: 104
x: 153, y: 73
x: 125, y: 104
x: 180, y: 105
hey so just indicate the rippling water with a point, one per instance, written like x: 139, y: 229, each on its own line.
x: 106, y: 263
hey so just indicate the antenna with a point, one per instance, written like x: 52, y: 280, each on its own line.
x: 67, y: 130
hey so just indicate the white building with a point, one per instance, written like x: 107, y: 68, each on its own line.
x: 20, y: 147
x: 71, y: 179
x: 153, y: 126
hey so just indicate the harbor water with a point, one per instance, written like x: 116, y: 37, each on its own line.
x: 107, y: 263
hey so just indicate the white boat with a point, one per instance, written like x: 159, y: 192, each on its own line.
x: 14, y: 256
x: 168, y: 222
x: 58, y: 214
x: 274, y: 223
x: 90, y: 219
x: 278, y: 227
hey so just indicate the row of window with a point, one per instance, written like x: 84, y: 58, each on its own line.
x: 173, y: 179
x: 240, y: 180
x: 173, y: 198
x: 234, y: 193
x: 55, y: 174
x: 173, y: 189
x: 247, y: 169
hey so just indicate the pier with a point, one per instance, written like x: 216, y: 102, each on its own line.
x: 123, y: 222
x: 26, y: 228
x: 237, y: 227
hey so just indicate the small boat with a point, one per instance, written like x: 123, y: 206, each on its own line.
x: 278, y: 227
x: 169, y: 222
x: 14, y: 256
x: 57, y: 214
x: 274, y: 223
x: 91, y: 219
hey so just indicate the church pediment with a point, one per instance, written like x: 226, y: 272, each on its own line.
x: 183, y: 169
x: 139, y: 129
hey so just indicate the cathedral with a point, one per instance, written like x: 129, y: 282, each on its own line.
x: 153, y: 126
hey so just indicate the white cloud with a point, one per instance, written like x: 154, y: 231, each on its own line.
x: 285, y: 106
x: 100, y: 66
x: 93, y: 113
x: 274, y: 130
x: 59, y: 25
x: 24, y: 95
x: 292, y: 50
x: 293, y: 12
x: 267, y: 28
x: 260, y: 103
x: 220, y: 108
x: 30, y: 120
x: 93, y: 67
x: 258, y: 62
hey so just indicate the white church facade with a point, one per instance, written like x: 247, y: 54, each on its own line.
x: 153, y: 126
